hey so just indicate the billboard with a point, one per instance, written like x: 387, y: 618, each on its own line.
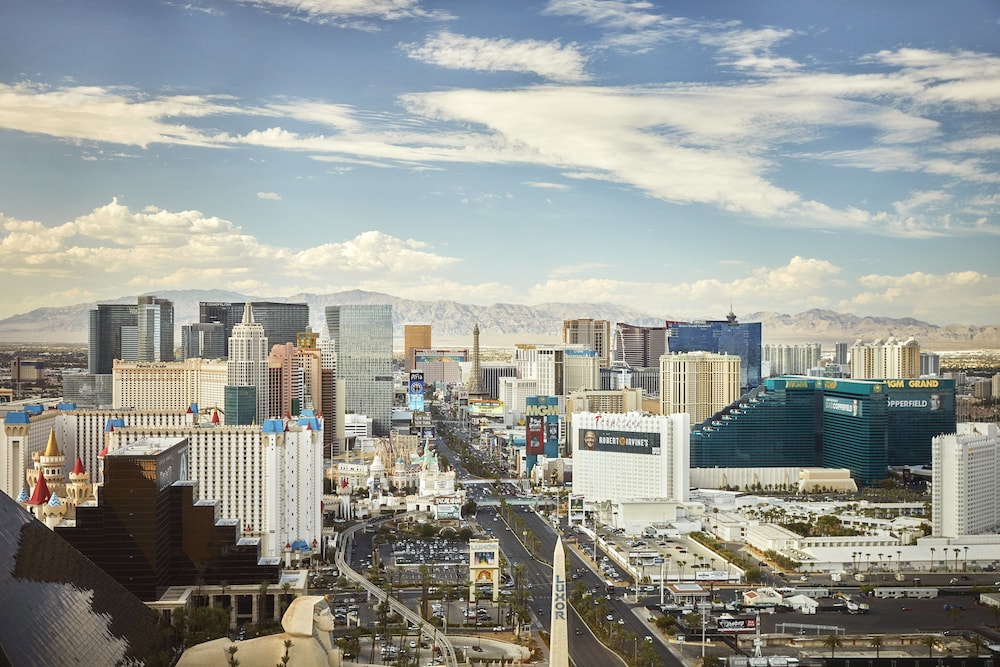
x: 416, y: 392
x: 534, y: 435
x: 484, y: 558
x: 600, y: 440
x: 842, y: 406
x: 485, y: 407
x: 736, y: 624
x: 923, y: 395
x: 711, y: 575
x: 576, y: 503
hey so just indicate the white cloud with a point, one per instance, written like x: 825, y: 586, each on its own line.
x: 718, y: 145
x: 274, y: 196
x: 545, y: 185
x: 610, y: 14
x: 947, y: 297
x: 113, y: 246
x: 961, y: 78
x: 388, y: 10
x: 114, y: 116
x: 549, y: 60
x: 798, y: 285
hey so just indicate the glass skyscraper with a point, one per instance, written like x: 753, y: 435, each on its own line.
x: 104, y: 342
x: 282, y: 322
x: 362, y: 338
x: 722, y: 337
x: 862, y: 425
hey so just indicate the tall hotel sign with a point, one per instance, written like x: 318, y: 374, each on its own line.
x: 415, y: 392
x: 541, y: 425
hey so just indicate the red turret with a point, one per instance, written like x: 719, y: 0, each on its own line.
x: 41, y: 494
x: 78, y: 468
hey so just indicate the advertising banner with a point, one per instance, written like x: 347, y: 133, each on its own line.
x: 842, y: 406
x: 737, y: 624
x: 576, y: 503
x: 416, y: 392
x: 534, y: 435
x: 600, y: 440
x: 485, y: 407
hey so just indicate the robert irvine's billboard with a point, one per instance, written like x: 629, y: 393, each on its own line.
x: 599, y: 440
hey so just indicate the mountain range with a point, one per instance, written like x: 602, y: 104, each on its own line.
x: 503, y: 324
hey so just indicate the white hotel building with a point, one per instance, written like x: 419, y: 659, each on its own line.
x: 635, y: 462
x: 965, y: 499
x: 264, y: 477
x: 169, y: 385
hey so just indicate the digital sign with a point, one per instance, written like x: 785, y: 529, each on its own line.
x: 842, y: 406
x: 534, y: 435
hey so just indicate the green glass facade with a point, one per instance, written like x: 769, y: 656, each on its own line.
x: 241, y: 405
x: 862, y: 425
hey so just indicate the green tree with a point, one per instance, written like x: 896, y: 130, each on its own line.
x: 877, y: 642
x: 930, y: 641
x: 977, y: 643
x: 711, y: 661
x: 231, y: 657
x: 284, y: 659
x: 833, y: 642
x: 261, y: 606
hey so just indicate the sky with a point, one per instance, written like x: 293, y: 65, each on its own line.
x: 680, y: 158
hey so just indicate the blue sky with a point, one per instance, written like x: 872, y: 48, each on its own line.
x: 677, y: 157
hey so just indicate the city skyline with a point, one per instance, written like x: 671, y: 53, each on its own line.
x: 669, y: 157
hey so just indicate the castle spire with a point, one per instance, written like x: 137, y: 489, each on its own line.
x: 52, y: 449
x: 41, y: 494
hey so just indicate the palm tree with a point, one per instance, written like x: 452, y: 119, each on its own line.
x: 262, y: 593
x: 285, y: 587
x: 833, y: 642
x: 877, y: 642
x: 231, y: 658
x: 930, y: 641
x: 932, y: 558
x: 288, y: 645
x: 977, y: 643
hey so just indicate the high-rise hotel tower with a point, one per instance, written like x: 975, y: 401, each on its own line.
x: 247, y: 365
x: 362, y: 337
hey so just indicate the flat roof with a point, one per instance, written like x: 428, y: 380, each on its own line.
x: 148, y: 447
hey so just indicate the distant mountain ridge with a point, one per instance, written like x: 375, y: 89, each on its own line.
x: 507, y: 323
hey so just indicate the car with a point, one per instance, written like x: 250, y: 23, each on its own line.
x: 649, y: 638
x: 621, y: 621
x: 413, y: 644
x: 906, y: 608
x: 610, y: 617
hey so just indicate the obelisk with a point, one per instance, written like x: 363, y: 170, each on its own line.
x: 559, y: 636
